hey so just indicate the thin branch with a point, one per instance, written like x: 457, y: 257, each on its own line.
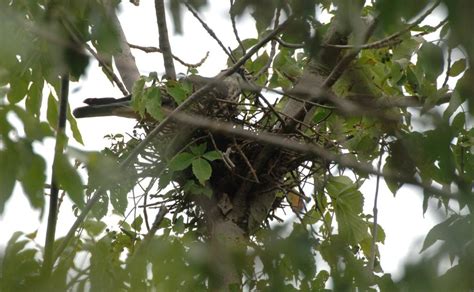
x: 336, y: 72
x: 53, y: 198
x: 209, y: 30
x: 164, y: 40
x: 154, y: 228
x: 76, y: 35
x: 145, y: 195
x: 139, y: 148
x: 109, y: 70
x: 244, y: 157
x: 375, y: 210
x: 440, y: 24
x: 272, y: 108
x: 158, y: 50
x: 448, y: 66
x: 137, y: 259
x: 197, y: 94
x: 266, y: 137
x: 64, y: 243
x: 234, y: 28
x: 272, y: 49
x: 390, y: 39
x: 291, y: 45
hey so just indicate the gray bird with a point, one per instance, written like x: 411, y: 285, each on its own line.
x: 228, y: 90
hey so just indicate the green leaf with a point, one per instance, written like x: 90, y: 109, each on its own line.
x: 69, y: 180
x: 8, y: 172
x: 181, y: 161
x: 33, y: 128
x: 212, y: 155
x: 430, y: 58
x: 405, y: 49
x: 76, y: 134
x: 179, y: 226
x: 33, y: 179
x: 348, y: 202
x: 152, y: 99
x: 259, y: 62
x: 319, y: 282
x: 202, y: 169
x: 165, y: 179
x: 198, y: 150
x: 34, y: 99
x: 459, y: 122
x: 396, y: 72
x: 457, y: 67
x: 99, y: 210
x: 52, y: 111
x: 178, y: 91
x: 94, y: 227
x: 138, y: 90
x: 137, y: 223
x: 18, y: 89
x: 438, y: 232
x: 118, y: 197
x: 237, y: 52
x: 455, y: 101
x: 380, y: 233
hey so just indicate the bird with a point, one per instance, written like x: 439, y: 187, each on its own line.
x: 220, y: 102
x: 227, y: 90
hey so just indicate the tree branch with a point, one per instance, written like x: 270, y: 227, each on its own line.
x: 390, y: 40
x: 158, y: 50
x: 124, y: 59
x: 48, y: 260
x: 209, y: 30
x: 277, y: 140
x: 375, y: 210
x: 164, y: 40
x: 196, y: 95
x: 139, y: 148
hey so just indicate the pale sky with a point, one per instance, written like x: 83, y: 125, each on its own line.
x: 401, y: 217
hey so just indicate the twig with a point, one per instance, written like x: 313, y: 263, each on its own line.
x: 390, y: 39
x: 244, y: 157
x: 92, y: 201
x: 164, y: 40
x: 154, y: 228
x: 136, y: 260
x: 53, y: 198
x: 266, y: 137
x: 234, y: 28
x: 209, y: 30
x: 333, y: 76
x: 80, y: 39
x: 196, y: 95
x: 375, y: 210
x: 290, y: 45
x: 440, y: 24
x: 139, y: 148
x: 145, y: 195
x: 158, y: 50
x: 272, y: 109
x: 272, y: 49
x: 446, y: 78
x: 109, y: 70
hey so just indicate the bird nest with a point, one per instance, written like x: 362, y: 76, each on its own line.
x: 238, y: 163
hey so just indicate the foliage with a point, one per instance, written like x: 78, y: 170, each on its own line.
x: 398, y: 76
